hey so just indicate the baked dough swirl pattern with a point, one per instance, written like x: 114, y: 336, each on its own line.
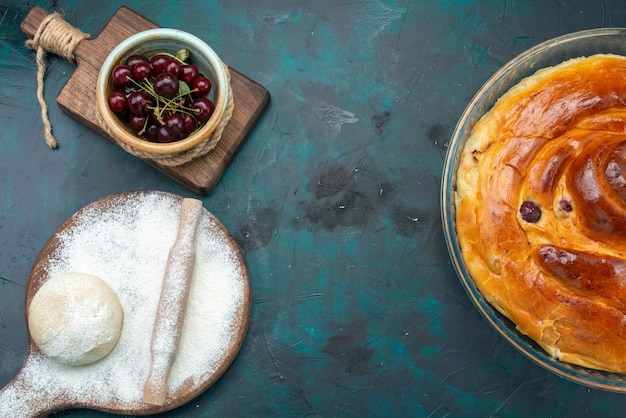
x: 541, y: 209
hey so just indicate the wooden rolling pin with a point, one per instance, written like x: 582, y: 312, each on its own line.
x: 172, y: 303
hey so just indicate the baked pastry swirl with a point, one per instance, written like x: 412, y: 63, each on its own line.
x: 541, y: 209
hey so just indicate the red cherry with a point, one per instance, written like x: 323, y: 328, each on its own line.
x: 134, y: 60
x: 189, y: 123
x: 188, y: 73
x: 121, y: 75
x: 566, y: 205
x: 163, y: 135
x: 151, y: 132
x: 530, y: 211
x: 173, y: 66
x: 202, y: 108
x: 202, y: 85
x: 117, y: 101
x: 166, y: 84
x: 142, y: 70
x: 174, y: 123
x: 136, y: 122
x: 158, y: 63
x: 140, y: 102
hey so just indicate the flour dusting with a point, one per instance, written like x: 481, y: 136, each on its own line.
x: 127, y: 245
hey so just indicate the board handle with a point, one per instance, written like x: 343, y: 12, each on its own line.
x: 33, y: 19
x: 19, y: 399
x: 51, y: 33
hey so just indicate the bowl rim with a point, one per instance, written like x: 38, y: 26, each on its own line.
x: 198, y: 46
x: 598, y: 379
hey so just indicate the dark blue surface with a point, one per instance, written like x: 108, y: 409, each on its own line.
x: 334, y: 199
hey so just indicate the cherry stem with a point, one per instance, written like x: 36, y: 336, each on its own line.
x: 168, y: 104
x: 172, y: 56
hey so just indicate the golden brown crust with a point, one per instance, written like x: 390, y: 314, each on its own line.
x: 558, y: 140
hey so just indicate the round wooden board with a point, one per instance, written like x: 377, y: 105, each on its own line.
x: 34, y: 403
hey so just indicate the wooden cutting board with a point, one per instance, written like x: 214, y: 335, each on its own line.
x: 78, y: 98
x: 40, y: 388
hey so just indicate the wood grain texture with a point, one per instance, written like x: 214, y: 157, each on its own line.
x: 78, y: 98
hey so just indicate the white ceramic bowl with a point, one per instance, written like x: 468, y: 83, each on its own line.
x: 149, y: 43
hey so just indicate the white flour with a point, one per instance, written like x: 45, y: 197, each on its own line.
x: 127, y: 246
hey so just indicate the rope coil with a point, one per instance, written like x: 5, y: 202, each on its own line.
x: 53, y: 35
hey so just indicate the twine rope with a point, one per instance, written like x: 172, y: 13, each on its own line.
x: 53, y: 35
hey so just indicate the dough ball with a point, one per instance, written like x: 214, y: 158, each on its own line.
x: 75, y: 318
